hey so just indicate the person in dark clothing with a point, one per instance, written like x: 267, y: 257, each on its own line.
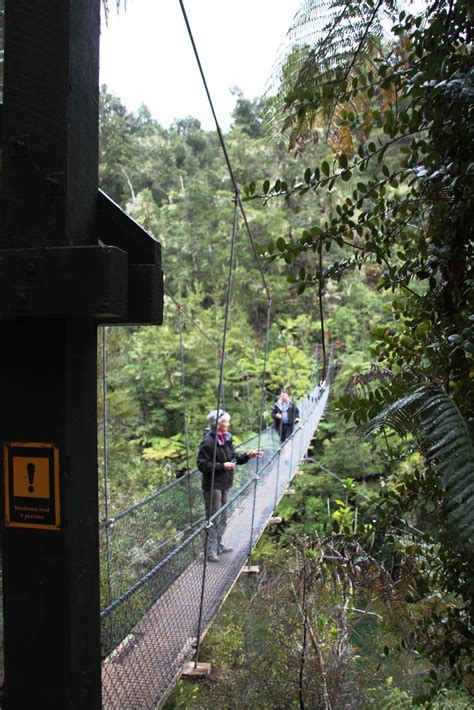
x: 216, y: 488
x: 285, y: 415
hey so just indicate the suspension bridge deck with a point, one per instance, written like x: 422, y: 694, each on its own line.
x: 140, y: 672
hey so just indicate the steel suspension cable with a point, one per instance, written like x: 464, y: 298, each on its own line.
x: 238, y: 202
x: 207, y: 337
x: 209, y: 523
x: 262, y: 275
x: 201, y: 71
x: 262, y: 407
x: 185, y: 419
x: 249, y: 407
x: 105, y: 450
x: 224, y: 150
x: 320, y: 300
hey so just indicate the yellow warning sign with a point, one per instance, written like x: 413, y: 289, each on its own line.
x: 30, y: 477
x: 32, y: 485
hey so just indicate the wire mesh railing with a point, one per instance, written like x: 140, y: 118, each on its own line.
x: 140, y: 539
x: 151, y: 605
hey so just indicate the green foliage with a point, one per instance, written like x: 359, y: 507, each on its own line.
x: 442, y: 436
x: 247, y: 115
x: 185, y: 696
x: 348, y: 600
x: 344, y: 517
x: 390, y: 697
x: 174, y: 182
x: 347, y: 456
x: 164, y: 448
x: 385, y: 247
x: 303, y: 513
x: 399, y: 183
x: 396, y: 192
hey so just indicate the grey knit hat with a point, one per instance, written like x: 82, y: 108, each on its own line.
x: 213, y: 417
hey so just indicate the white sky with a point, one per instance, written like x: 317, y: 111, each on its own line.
x: 146, y: 55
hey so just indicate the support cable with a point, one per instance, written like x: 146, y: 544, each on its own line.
x: 217, y: 347
x: 238, y: 203
x: 277, y: 482
x: 262, y: 408
x: 185, y: 419
x: 218, y: 128
x: 249, y: 406
x: 105, y: 449
x: 226, y: 155
x: 320, y: 299
x: 262, y: 275
x: 209, y: 523
x: 285, y: 385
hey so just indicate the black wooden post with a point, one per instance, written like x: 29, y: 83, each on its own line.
x: 48, y: 354
x: 56, y: 284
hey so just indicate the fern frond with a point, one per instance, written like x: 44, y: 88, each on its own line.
x: 443, y: 438
x: 326, y: 40
x: 118, y: 4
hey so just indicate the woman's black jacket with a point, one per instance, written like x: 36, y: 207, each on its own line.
x: 224, y: 452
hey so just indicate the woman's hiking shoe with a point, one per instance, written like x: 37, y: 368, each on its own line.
x: 222, y: 549
x: 212, y: 557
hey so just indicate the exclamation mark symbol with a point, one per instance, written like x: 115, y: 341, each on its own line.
x: 30, y: 469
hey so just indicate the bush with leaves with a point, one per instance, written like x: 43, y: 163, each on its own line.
x: 399, y: 117
x: 397, y: 111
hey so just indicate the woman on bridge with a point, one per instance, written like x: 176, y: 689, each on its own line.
x: 216, y: 487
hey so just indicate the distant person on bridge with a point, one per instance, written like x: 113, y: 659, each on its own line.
x: 216, y: 493
x: 285, y: 415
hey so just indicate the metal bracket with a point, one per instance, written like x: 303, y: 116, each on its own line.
x: 88, y: 281
x: 120, y: 281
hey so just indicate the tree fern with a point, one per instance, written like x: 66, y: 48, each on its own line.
x: 118, y: 5
x: 326, y: 41
x: 443, y: 438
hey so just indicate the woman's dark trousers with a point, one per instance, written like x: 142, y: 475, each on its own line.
x: 213, y: 503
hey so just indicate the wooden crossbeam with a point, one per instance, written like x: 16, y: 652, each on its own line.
x: 192, y: 670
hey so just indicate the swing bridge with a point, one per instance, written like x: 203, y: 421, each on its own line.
x: 161, y: 594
